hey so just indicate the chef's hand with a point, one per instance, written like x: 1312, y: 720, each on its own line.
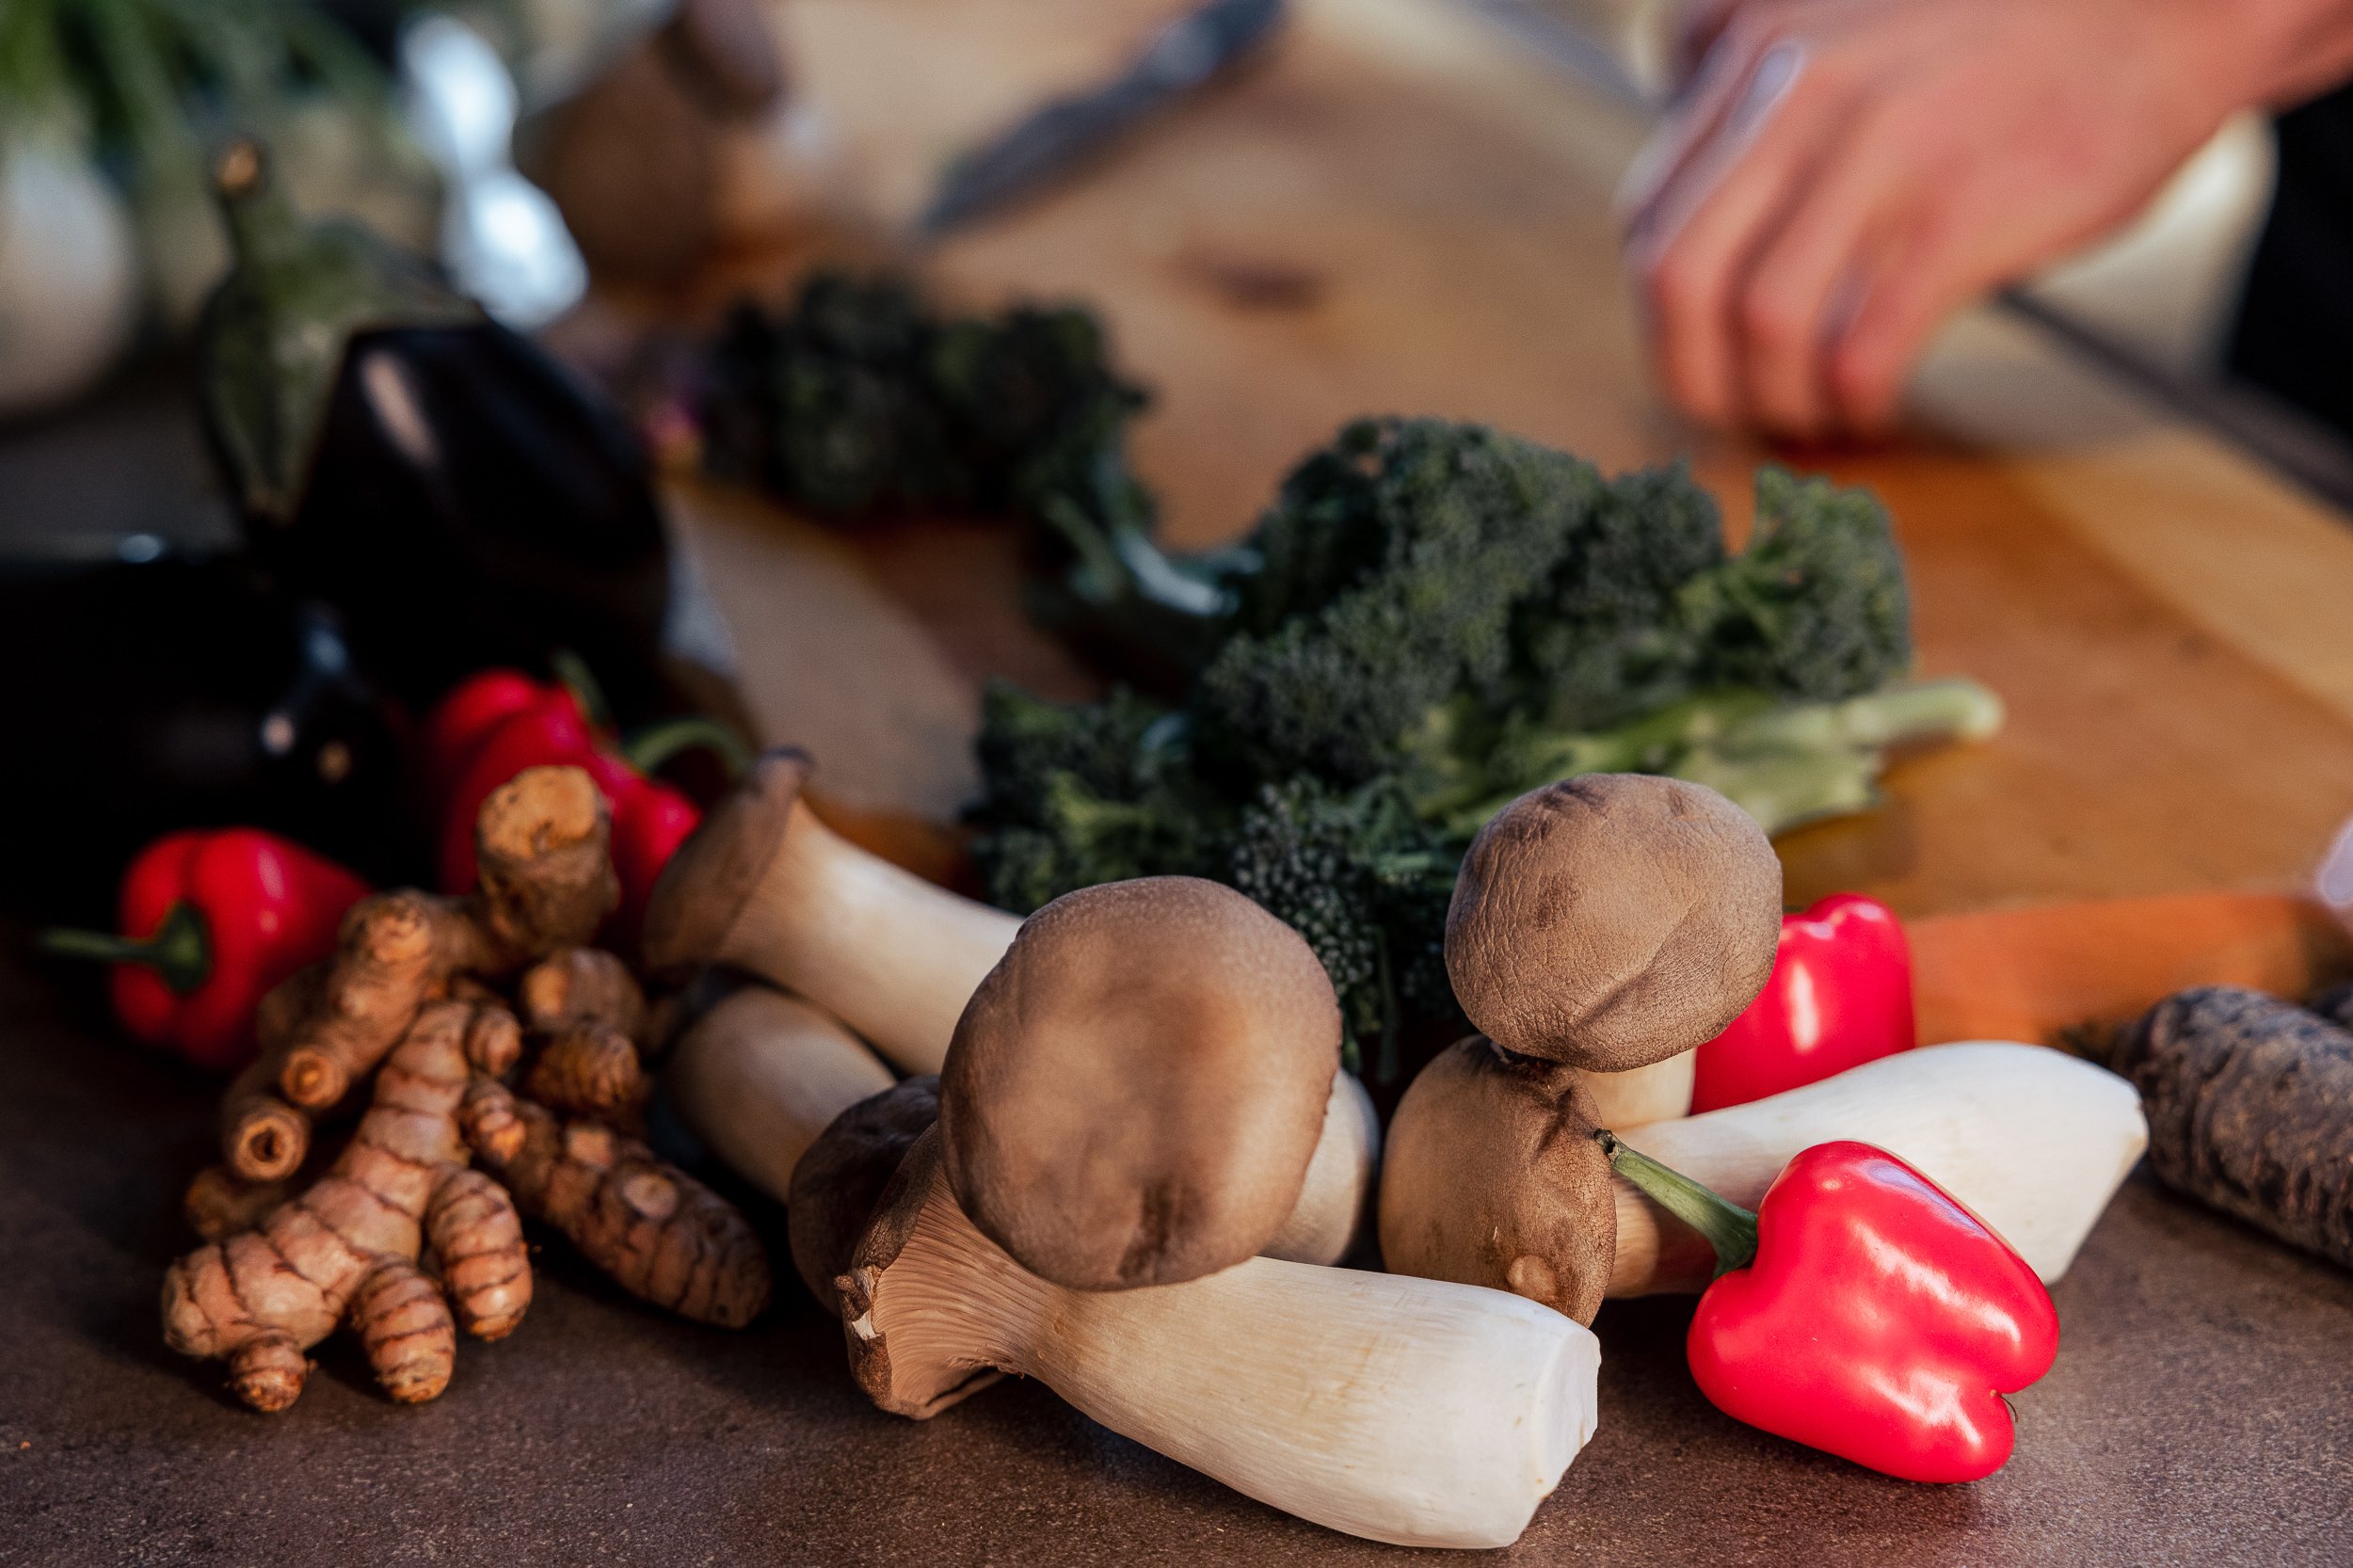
x: 1840, y: 175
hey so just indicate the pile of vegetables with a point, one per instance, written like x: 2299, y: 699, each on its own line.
x: 497, y: 1065
x: 1431, y: 621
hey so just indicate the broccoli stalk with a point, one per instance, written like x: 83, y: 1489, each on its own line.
x: 1784, y: 763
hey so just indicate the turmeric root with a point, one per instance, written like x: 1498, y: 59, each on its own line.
x: 662, y: 1235
x: 347, y: 1247
x: 262, y: 1139
x: 547, y: 882
x: 581, y: 985
x: 594, y: 1071
x: 219, y: 1203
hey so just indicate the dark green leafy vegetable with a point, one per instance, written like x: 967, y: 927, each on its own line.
x: 862, y: 400
x: 1432, y: 620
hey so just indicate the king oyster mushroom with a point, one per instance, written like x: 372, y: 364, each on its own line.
x: 767, y: 888
x: 1148, y: 1089
x: 1615, y: 923
x: 1409, y: 1411
x: 1493, y: 1176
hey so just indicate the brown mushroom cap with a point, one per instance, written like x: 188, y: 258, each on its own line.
x: 1134, y: 1093
x: 702, y: 893
x: 841, y: 1179
x: 1613, y: 920
x: 1491, y: 1176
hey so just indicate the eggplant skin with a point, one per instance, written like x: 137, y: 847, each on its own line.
x: 2250, y: 1101
x: 174, y: 694
x: 470, y: 502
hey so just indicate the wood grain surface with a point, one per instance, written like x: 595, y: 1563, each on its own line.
x: 1396, y: 212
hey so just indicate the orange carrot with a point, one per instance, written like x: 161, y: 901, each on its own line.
x: 2029, y: 973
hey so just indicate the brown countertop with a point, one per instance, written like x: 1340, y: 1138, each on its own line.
x: 2201, y: 1412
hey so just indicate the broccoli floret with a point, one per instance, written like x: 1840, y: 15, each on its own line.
x: 828, y: 403
x: 1816, y: 608
x: 1076, y: 838
x: 1077, y: 793
x: 1365, y: 882
x: 1027, y: 740
x: 1392, y: 562
x: 1602, y: 638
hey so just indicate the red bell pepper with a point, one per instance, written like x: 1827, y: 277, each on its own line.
x: 212, y: 920
x: 1840, y: 995
x: 1861, y: 1311
x: 494, y: 725
x: 469, y: 712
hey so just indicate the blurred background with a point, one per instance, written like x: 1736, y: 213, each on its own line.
x: 600, y: 183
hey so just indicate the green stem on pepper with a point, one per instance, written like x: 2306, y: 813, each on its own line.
x: 648, y: 748
x: 1729, y: 1228
x: 180, y: 950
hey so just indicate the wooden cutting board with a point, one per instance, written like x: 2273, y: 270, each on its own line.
x: 1398, y: 212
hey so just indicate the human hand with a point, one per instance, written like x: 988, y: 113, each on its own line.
x: 1840, y: 175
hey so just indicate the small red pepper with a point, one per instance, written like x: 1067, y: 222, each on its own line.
x: 494, y: 725
x: 467, y: 713
x: 1840, y: 995
x: 1861, y: 1311
x: 211, y: 920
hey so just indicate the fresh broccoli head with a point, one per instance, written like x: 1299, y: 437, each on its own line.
x: 1601, y: 638
x: 1390, y: 565
x: 1077, y: 793
x: 1432, y: 620
x: 1816, y: 608
x: 1364, y: 881
x: 829, y: 405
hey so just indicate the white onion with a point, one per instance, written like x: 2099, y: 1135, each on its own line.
x: 68, y: 290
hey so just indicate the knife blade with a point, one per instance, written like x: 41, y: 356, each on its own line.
x: 1192, y: 50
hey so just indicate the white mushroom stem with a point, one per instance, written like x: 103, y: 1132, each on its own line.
x: 761, y: 1075
x: 1335, y: 1201
x: 893, y: 956
x: 2031, y: 1139
x: 1409, y: 1411
x: 1652, y: 1093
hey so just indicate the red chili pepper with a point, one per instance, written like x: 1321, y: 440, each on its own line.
x: 464, y: 716
x: 650, y: 819
x: 550, y: 732
x: 211, y: 920
x: 1861, y: 1311
x: 1840, y: 995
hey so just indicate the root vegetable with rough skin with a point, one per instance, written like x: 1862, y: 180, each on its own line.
x: 262, y: 1298
x: 660, y: 1234
x: 591, y: 1069
x: 2250, y: 1110
x: 581, y: 985
x: 2031, y: 1139
x: 262, y: 1139
x: 219, y: 1203
x: 766, y: 887
x: 761, y: 1075
x: 1409, y: 1411
x: 1136, y: 1091
x: 1615, y: 923
x: 547, y: 883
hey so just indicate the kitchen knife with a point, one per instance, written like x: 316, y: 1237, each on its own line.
x: 1192, y: 50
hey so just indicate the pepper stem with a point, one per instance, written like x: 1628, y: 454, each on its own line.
x: 1729, y: 1228
x: 180, y: 951
x: 648, y: 748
